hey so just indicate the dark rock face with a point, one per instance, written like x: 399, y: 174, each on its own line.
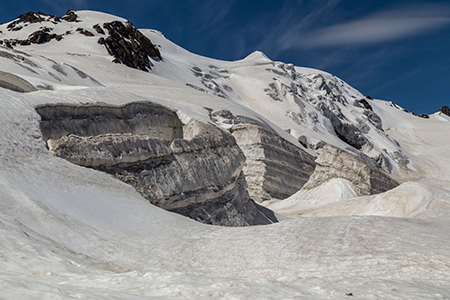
x: 303, y: 140
x: 98, y: 29
x: 43, y: 36
x: 347, y: 132
x: 85, y: 32
x: 70, y: 16
x: 124, y: 42
x: 129, y: 46
x: 425, y: 116
x: 350, y: 134
x: 445, y: 110
x: 31, y: 17
x: 142, y: 144
x: 366, y: 104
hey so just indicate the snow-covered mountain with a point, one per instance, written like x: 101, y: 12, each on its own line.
x: 101, y: 120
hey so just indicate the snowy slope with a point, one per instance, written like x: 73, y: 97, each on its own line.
x: 72, y: 232
x: 288, y: 96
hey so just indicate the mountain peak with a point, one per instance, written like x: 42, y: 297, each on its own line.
x: 258, y: 56
x: 120, y: 38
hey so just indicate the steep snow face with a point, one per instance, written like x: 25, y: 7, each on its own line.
x: 309, y: 104
x: 82, y: 34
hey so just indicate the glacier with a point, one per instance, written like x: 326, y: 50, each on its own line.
x: 289, y: 147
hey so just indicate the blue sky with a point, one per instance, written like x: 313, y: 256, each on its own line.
x: 392, y: 50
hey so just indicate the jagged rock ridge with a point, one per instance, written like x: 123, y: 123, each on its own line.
x: 445, y: 110
x: 129, y: 46
x: 124, y: 42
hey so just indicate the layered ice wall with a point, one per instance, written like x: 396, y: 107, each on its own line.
x: 91, y: 120
x: 275, y: 168
x: 142, y: 144
x: 364, y: 174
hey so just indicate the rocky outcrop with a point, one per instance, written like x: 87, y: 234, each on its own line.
x: 129, y: 46
x: 38, y: 37
x: 363, y: 172
x: 347, y: 132
x: 98, y: 29
x: 70, y: 16
x: 124, y: 42
x: 445, y: 110
x: 84, y: 32
x: 43, y: 35
x: 199, y: 176
x: 275, y: 168
x: 365, y: 104
x: 30, y: 18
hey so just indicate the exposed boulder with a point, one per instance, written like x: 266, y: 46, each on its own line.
x: 425, y: 116
x: 43, y: 36
x: 303, y: 140
x: 84, y: 32
x: 37, y: 37
x: 70, y: 16
x: 98, y: 29
x: 350, y: 134
x: 363, y: 172
x: 275, y: 168
x: 366, y: 104
x: 445, y: 110
x: 129, y: 46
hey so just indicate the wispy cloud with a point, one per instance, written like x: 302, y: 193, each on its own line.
x: 66, y: 4
x: 270, y: 32
x: 395, y: 24
x: 214, y: 12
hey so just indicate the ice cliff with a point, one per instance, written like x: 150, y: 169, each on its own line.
x: 142, y: 144
x: 364, y: 174
x: 208, y: 138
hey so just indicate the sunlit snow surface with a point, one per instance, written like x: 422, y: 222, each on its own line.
x: 70, y: 232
